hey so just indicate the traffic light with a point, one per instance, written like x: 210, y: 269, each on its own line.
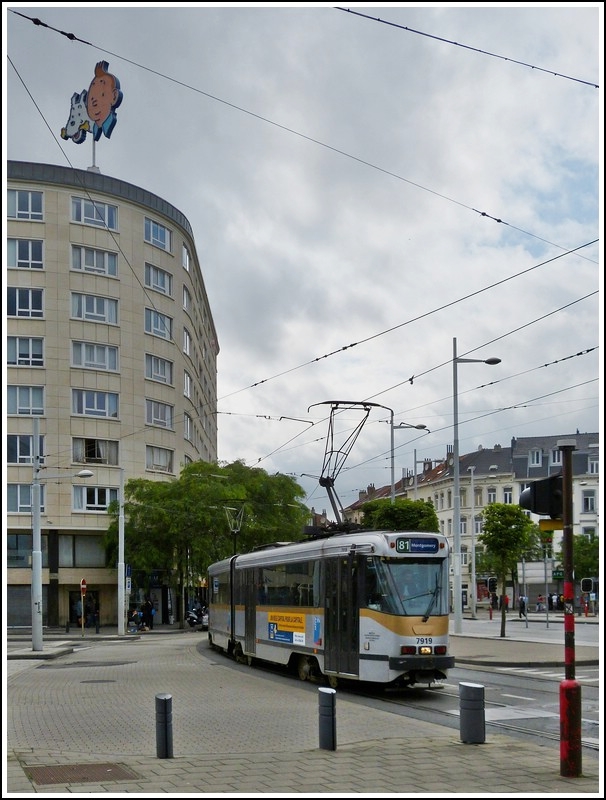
x: 587, y: 585
x: 544, y: 497
x: 492, y: 585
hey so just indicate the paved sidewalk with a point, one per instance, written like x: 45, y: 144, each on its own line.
x: 84, y: 723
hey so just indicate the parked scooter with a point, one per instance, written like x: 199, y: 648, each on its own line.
x: 197, y: 619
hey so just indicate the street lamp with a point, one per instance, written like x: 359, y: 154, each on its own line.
x: 474, y: 589
x: 456, y: 556
x: 121, y: 576
x: 393, y: 427
x: 37, y: 638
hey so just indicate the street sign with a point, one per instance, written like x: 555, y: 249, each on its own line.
x: 128, y: 585
x: 83, y: 586
x: 557, y: 574
x: 551, y: 525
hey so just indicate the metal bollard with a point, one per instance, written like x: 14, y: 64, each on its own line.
x: 164, y: 726
x: 328, y: 718
x: 471, y: 707
x: 67, y: 627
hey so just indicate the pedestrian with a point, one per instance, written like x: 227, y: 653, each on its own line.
x: 540, y: 603
x: 89, y: 611
x: 495, y: 601
x: 521, y: 606
x: 148, y: 620
x: 506, y: 601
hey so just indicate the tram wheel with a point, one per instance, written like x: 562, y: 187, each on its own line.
x: 305, y: 668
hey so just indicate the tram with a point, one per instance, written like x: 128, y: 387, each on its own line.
x: 368, y: 606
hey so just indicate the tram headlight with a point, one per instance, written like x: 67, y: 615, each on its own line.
x: 425, y: 651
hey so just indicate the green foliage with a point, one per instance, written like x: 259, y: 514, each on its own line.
x: 507, y: 535
x: 585, y: 556
x: 180, y: 526
x: 403, y: 515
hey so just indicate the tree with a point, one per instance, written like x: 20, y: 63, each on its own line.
x: 181, y: 526
x: 507, y: 535
x: 403, y: 515
x: 586, y: 556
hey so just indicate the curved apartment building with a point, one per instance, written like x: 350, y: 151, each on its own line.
x: 111, y: 356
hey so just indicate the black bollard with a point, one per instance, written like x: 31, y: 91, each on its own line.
x: 164, y: 726
x: 328, y: 718
x: 97, y: 625
x: 67, y: 627
x: 471, y: 706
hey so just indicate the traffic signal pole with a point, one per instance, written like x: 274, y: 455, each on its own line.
x: 570, y: 689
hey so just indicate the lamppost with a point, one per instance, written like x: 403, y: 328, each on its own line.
x: 393, y: 427
x: 121, y: 576
x: 37, y: 637
x: 456, y: 556
x: 474, y: 588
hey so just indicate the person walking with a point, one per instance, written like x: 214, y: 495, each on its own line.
x: 522, y: 606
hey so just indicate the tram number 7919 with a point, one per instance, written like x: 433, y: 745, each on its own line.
x: 424, y: 640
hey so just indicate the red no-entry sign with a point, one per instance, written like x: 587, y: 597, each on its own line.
x: 83, y: 586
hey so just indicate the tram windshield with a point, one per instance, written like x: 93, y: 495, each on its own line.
x: 412, y: 586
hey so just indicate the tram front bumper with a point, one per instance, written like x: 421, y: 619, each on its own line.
x: 421, y: 663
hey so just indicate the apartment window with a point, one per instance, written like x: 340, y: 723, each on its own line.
x: 94, y: 309
x: 160, y: 414
x: 536, y: 458
x: 158, y: 369
x: 24, y: 205
x: 588, y: 532
x: 593, y: 466
x: 185, y: 258
x: 81, y: 551
x: 477, y: 525
x: 463, y: 526
x: 463, y: 496
x: 441, y: 501
x: 492, y: 494
x: 508, y: 494
x: 19, y: 449
x: 24, y: 302
x: 186, y: 299
x: 556, y: 457
x: 27, y: 401
x: 464, y: 556
x: 19, y: 550
x: 93, y: 498
x: 19, y: 498
x: 188, y: 428
x: 94, y: 213
x: 24, y: 351
x: 95, y: 356
x: 100, y: 262
x: 186, y: 342
x: 24, y: 253
x: 94, y: 404
x: 159, y: 280
x: 187, y: 384
x: 158, y: 458
x: 158, y: 324
x: 589, y: 501
x: 157, y: 234
x: 478, y: 496
x: 94, y: 451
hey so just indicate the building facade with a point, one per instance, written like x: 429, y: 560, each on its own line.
x: 112, y: 348
x: 498, y: 475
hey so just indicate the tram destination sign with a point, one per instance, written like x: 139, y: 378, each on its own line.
x: 412, y: 544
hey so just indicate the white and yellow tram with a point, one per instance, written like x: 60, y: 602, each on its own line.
x: 365, y: 606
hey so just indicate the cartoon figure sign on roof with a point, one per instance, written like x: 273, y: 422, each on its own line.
x: 94, y: 110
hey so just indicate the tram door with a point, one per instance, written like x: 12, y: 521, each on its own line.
x: 250, y: 612
x: 341, y: 647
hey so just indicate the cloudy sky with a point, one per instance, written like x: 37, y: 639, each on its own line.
x: 365, y: 185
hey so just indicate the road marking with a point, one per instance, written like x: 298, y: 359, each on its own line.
x: 518, y: 697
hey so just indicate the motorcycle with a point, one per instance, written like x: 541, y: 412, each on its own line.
x: 197, y: 619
